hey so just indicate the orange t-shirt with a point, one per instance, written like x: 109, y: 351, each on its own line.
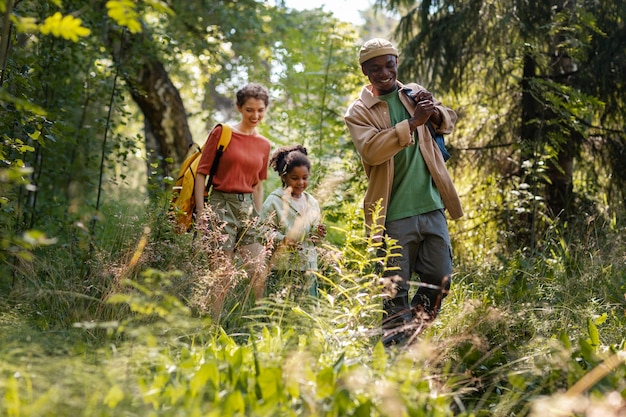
x: 243, y: 164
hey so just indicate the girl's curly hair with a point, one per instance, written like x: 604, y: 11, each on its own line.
x: 287, y: 158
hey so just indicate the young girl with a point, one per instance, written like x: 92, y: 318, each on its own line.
x: 293, y: 216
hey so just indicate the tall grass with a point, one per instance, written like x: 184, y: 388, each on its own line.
x: 133, y: 334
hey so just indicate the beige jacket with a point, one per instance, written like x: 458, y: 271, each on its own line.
x: 377, y: 142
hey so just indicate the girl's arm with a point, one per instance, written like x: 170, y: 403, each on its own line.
x: 270, y: 220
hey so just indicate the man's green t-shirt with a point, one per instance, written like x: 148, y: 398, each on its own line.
x: 413, y: 191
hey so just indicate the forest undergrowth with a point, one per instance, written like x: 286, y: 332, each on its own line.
x: 88, y: 331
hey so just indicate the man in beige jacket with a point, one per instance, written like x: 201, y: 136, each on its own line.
x: 409, y: 187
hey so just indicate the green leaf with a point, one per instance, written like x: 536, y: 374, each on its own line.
x: 114, y: 396
x: 587, y: 351
x: 339, y: 362
x: 119, y: 298
x: 234, y: 404
x: 67, y: 27
x: 25, y: 24
x: 593, y: 333
x: 38, y: 238
x: 161, y: 7
x: 207, y: 372
x: 268, y: 382
x: 11, y: 396
x: 380, y: 358
x: 325, y: 382
x: 564, y: 338
x: 363, y: 410
x: 125, y: 14
x: 518, y: 381
x: 598, y: 321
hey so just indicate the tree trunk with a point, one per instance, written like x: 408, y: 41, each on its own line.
x: 559, y: 187
x: 529, y: 135
x: 167, y: 133
x: 559, y: 191
x: 165, y: 116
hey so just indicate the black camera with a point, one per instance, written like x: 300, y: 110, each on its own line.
x: 412, y: 94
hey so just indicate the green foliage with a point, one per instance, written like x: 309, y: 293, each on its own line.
x: 125, y: 14
x: 116, y: 300
x: 13, y: 177
x: 527, y: 339
x: 48, y: 140
x: 67, y: 27
x: 515, y: 337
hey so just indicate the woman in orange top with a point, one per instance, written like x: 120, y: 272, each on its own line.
x: 237, y: 194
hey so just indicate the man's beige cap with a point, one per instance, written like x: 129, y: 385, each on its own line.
x: 376, y: 47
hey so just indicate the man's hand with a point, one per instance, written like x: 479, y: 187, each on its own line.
x: 424, y: 109
x: 423, y: 95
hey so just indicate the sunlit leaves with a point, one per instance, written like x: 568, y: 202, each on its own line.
x: 124, y: 12
x: 20, y: 104
x: 67, y: 27
x: 24, y: 24
x: 208, y: 372
x: 160, y: 6
x: 114, y: 396
x: 151, y: 299
x: 36, y: 238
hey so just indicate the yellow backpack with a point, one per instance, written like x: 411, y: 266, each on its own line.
x: 183, y: 203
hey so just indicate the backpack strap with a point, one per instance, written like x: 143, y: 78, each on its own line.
x: 222, y: 144
x: 227, y: 133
